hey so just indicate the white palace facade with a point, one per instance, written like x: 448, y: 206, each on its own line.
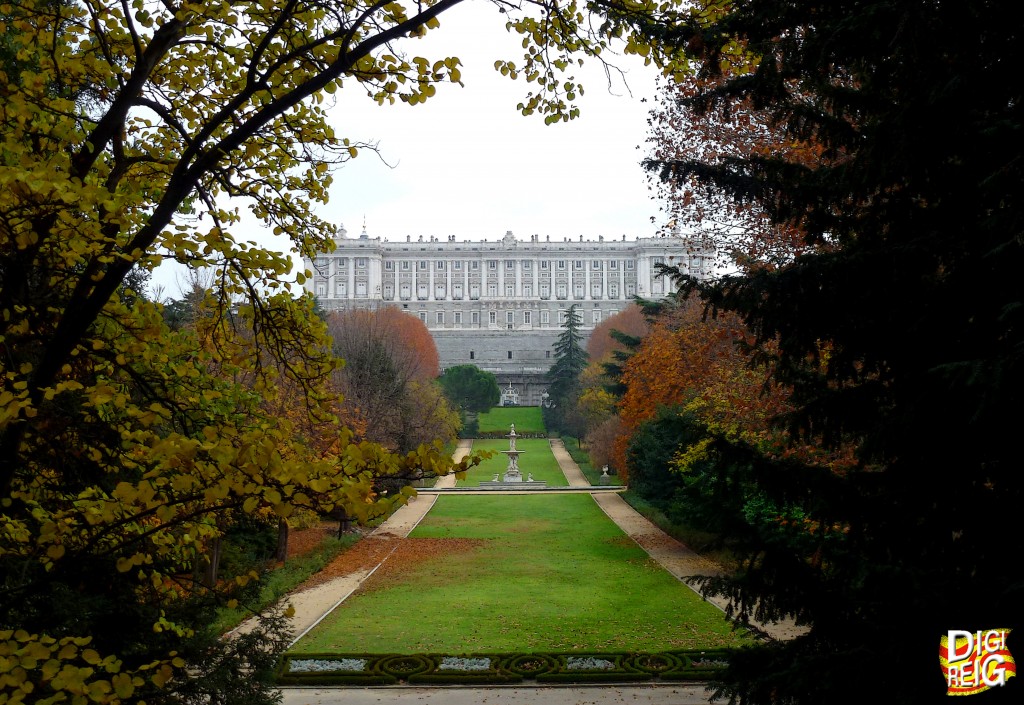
x: 500, y: 304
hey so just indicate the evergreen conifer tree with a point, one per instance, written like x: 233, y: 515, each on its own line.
x: 570, y: 360
x: 901, y: 333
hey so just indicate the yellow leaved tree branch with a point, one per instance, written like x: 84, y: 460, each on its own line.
x: 129, y: 131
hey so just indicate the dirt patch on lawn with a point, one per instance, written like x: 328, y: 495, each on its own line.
x: 364, y: 555
x: 302, y: 541
x: 411, y: 553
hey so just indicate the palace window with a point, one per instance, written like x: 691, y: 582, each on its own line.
x: 510, y: 264
x: 596, y: 264
x: 561, y: 264
x: 629, y: 264
x: 474, y: 265
x: 440, y: 318
x: 474, y: 317
x: 492, y: 264
x: 545, y: 318
x: 405, y: 265
x: 613, y: 264
x: 543, y: 264
x: 527, y: 317
x: 527, y: 265
x: 492, y: 289
x: 510, y: 317
x: 439, y: 266
x: 510, y: 291
x: 361, y: 262
x: 597, y: 315
x: 423, y: 265
x: 457, y: 264
x: 492, y: 316
x: 388, y: 266
x: 458, y: 318
x: 577, y: 264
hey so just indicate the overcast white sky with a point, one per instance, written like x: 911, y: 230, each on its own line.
x: 467, y: 163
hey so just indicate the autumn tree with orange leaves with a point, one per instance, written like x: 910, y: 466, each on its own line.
x: 388, y: 377
x: 728, y: 130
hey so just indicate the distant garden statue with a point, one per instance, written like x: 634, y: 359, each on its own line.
x: 509, y: 396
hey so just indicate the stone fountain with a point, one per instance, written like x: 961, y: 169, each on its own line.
x: 512, y: 474
x: 513, y: 478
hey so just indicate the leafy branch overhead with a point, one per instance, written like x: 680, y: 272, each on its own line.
x: 134, y: 132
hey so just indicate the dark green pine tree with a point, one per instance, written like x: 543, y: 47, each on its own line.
x: 563, y: 377
x: 901, y: 333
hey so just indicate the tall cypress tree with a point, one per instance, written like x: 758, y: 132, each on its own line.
x: 900, y: 333
x: 570, y: 360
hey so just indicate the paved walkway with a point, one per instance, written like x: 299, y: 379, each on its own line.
x: 668, y: 694
x: 314, y: 604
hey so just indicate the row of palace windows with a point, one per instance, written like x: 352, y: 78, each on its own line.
x: 561, y: 291
x: 492, y: 264
x: 526, y: 318
x: 323, y: 262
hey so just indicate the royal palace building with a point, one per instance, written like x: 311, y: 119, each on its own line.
x: 500, y: 304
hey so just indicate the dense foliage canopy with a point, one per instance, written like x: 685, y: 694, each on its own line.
x: 470, y: 388
x: 130, y: 442
x: 898, y: 330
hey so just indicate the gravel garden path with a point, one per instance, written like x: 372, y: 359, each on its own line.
x: 318, y: 596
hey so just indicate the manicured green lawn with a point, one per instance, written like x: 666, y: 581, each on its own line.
x: 536, y: 458
x: 520, y: 573
x: 526, y: 418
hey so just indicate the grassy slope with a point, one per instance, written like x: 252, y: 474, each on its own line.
x: 526, y: 418
x: 547, y: 573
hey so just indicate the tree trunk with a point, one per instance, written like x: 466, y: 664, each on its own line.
x: 282, y: 540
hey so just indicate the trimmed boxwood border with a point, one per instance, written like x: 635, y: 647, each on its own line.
x: 689, y: 657
x: 370, y: 675
x: 655, y: 664
x: 494, y: 674
x: 389, y: 669
x: 405, y: 666
x: 521, y: 664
